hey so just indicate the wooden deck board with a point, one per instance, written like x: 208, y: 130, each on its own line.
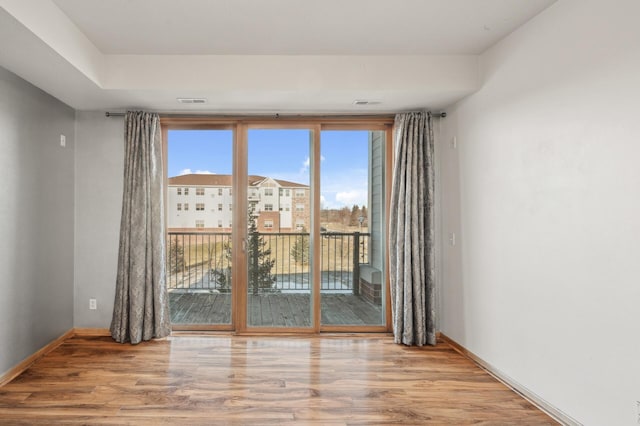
x: 259, y: 380
x: 272, y: 310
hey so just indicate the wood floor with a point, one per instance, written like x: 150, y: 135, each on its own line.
x: 273, y: 310
x: 198, y: 380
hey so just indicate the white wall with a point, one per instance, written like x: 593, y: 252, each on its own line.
x: 210, y: 215
x: 36, y: 219
x: 543, y: 192
x: 98, y: 190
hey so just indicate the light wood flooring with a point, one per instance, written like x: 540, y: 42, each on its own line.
x: 242, y: 380
x: 273, y: 310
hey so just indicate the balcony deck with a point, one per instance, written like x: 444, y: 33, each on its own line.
x: 272, y: 310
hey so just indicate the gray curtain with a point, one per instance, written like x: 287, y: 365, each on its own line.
x: 141, y: 311
x: 411, y: 226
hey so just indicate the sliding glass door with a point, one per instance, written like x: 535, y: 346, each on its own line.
x: 277, y: 227
x: 199, y: 226
x: 279, y: 281
x: 352, y: 219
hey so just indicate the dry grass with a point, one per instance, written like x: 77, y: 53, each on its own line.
x: 205, y: 252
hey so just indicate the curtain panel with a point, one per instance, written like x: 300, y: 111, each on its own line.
x: 141, y: 310
x: 412, y: 231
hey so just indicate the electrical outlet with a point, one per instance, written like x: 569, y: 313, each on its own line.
x: 452, y: 239
x: 63, y: 141
x: 93, y: 304
x: 454, y: 142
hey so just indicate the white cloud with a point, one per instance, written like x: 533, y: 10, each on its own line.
x: 354, y: 196
x: 307, y: 162
x: 197, y: 172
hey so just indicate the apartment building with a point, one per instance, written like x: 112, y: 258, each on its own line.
x: 204, y: 202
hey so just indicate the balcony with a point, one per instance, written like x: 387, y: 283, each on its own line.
x: 199, y: 269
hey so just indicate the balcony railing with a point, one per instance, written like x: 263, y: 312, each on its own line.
x: 202, y: 260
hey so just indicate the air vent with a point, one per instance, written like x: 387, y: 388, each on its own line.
x: 361, y: 102
x: 192, y: 100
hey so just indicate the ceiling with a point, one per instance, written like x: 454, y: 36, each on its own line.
x: 256, y: 56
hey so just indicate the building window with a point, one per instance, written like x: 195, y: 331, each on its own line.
x: 287, y: 193
x: 199, y: 191
x: 230, y: 207
x: 300, y: 193
x: 268, y: 192
x: 268, y: 207
x: 219, y: 191
x: 186, y: 191
x: 299, y: 207
x: 268, y: 224
x: 179, y: 191
x: 230, y: 192
x: 199, y: 224
x: 299, y: 225
x: 281, y: 192
x: 219, y: 223
x: 179, y: 206
x: 186, y: 207
x: 200, y: 207
x: 220, y: 207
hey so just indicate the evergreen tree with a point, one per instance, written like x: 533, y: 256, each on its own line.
x: 258, y: 256
x: 355, y: 214
x: 259, y: 276
x: 365, y: 215
x: 300, y: 249
x: 175, y: 256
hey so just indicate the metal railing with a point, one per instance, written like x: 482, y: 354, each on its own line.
x: 202, y: 260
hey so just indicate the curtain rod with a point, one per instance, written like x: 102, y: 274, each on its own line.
x: 122, y: 114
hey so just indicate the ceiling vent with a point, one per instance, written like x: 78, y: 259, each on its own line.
x: 192, y: 100
x: 361, y: 102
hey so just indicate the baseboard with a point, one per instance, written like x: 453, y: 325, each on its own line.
x: 27, y: 362
x: 521, y: 390
x: 91, y: 332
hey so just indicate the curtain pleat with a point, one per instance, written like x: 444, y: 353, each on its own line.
x: 412, y: 229
x: 141, y: 310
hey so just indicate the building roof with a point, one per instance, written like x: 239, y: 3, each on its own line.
x: 224, y: 180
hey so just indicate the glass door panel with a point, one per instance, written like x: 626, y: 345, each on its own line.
x: 279, y: 285
x: 352, y: 224
x: 199, y: 226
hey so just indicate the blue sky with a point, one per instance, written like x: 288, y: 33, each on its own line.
x: 281, y: 154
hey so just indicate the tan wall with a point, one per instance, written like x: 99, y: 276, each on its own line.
x: 303, y: 215
x: 273, y: 216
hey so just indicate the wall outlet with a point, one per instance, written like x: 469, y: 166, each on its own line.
x: 454, y: 142
x: 452, y: 239
x: 93, y: 304
x: 63, y: 141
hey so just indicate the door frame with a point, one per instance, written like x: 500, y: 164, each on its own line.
x: 316, y: 124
